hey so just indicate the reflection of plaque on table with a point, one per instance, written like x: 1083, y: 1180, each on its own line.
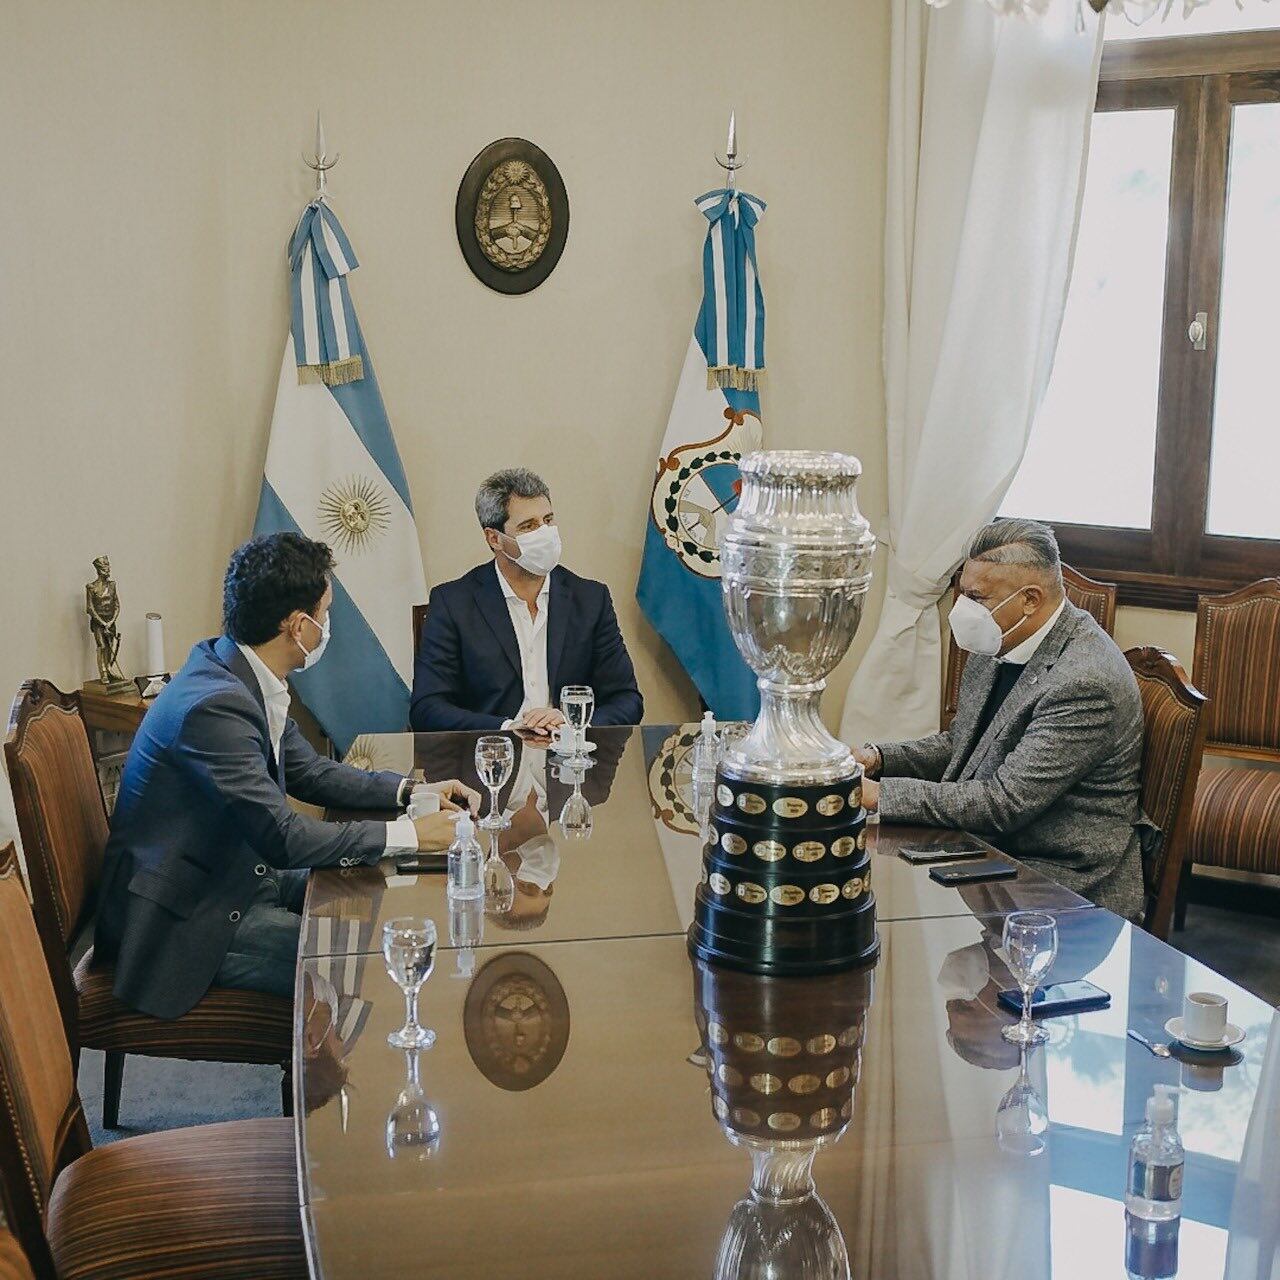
x: 516, y: 1021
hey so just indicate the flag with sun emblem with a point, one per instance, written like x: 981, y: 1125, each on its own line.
x: 714, y: 420
x: 333, y: 473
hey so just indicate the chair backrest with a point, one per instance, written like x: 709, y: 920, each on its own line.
x: 1174, y: 717
x: 61, y: 820
x: 419, y: 617
x: 13, y: 1262
x: 42, y: 1124
x: 1237, y: 664
x: 1097, y: 598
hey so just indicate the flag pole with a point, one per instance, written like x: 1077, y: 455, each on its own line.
x: 321, y: 162
x: 732, y: 161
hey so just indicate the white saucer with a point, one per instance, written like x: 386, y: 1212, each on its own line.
x: 1231, y: 1036
x: 587, y: 749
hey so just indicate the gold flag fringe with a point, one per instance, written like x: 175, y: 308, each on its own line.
x: 730, y: 377
x: 335, y: 373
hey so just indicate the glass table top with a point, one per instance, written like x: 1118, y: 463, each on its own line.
x: 634, y: 876
x: 602, y: 1107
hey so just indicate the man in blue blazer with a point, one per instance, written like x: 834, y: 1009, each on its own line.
x: 499, y: 643
x: 205, y: 866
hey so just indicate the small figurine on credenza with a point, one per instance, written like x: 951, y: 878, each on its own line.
x: 102, y: 604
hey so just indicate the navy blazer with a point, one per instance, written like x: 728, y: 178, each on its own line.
x: 201, y: 816
x: 467, y: 673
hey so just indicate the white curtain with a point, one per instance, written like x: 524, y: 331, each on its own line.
x: 988, y: 132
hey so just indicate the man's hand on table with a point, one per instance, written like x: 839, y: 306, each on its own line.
x: 541, y: 720
x: 870, y: 794
x: 435, y: 831
x: 869, y: 758
x: 453, y: 794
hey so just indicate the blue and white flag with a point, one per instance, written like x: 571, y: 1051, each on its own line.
x: 714, y: 420
x: 333, y: 473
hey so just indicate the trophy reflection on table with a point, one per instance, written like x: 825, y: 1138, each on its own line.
x: 783, y: 1056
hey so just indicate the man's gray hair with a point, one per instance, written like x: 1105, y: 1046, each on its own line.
x: 494, y: 496
x: 1020, y: 542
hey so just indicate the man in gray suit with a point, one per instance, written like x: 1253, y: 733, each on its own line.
x: 205, y: 867
x: 1045, y: 751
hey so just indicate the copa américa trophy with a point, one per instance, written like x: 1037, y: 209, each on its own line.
x: 786, y: 872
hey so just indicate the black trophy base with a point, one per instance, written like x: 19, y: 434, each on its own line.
x: 786, y: 879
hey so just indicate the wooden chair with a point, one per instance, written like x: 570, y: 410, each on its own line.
x: 13, y: 1262
x: 1174, y: 719
x: 63, y: 827
x: 1097, y: 598
x: 221, y: 1200
x: 1235, y: 822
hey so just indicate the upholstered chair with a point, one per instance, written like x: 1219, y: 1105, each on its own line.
x: 63, y: 826
x: 1097, y: 598
x: 13, y: 1262
x: 1173, y: 718
x: 221, y: 1200
x: 1235, y: 822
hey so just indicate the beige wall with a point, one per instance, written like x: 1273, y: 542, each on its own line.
x: 1175, y: 632
x: 152, y: 178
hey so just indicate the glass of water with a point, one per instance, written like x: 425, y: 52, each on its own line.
x: 577, y: 704
x: 409, y: 949
x: 1030, y: 947
x: 495, y: 757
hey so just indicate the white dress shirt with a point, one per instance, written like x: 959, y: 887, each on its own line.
x: 402, y: 835
x: 1023, y: 652
x: 531, y: 638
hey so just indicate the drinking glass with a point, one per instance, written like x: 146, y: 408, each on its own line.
x: 413, y: 1127
x: 495, y: 757
x: 576, y: 820
x: 1030, y: 946
x: 1021, y: 1117
x: 577, y: 704
x: 499, y: 884
x: 409, y: 949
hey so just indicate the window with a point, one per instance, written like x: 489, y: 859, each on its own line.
x: 1156, y: 452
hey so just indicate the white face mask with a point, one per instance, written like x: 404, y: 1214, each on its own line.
x: 311, y: 656
x: 539, y: 550
x: 539, y: 862
x: 976, y: 629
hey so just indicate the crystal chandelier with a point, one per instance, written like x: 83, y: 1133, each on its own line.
x: 1135, y: 11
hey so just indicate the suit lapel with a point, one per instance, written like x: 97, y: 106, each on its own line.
x: 235, y: 662
x: 558, y: 606
x: 1026, y: 688
x: 493, y: 609
x: 963, y: 734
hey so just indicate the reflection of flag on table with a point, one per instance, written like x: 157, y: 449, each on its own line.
x: 333, y: 473
x: 714, y: 420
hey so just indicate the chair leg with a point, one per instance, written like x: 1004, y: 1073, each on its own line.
x: 286, y: 1089
x: 112, y: 1083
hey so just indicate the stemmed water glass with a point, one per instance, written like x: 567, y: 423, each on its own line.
x: 499, y: 883
x: 576, y: 820
x: 495, y: 757
x: 577, y: 705
x: 1030, y: 947
x: 1021, y: 1117
x: 409, y: 949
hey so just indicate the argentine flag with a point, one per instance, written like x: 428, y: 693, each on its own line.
x: 333, y: 473
x: 714, y: 420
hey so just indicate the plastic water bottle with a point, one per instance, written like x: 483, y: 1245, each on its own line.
x: 706, y: 753
x: 465, y: 861
x: 1156, y: 1161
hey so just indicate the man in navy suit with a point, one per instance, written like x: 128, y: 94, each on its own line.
x: 500, y: 642
x: 205, y: 867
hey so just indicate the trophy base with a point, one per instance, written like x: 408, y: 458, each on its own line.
x: 109, y: 687
x: 786, y: 878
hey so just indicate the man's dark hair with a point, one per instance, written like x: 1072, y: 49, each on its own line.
x: 494, y: 496
x: 268, y: 578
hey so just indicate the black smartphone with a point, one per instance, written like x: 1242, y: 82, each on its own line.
x: 922, y: 854
x: 413, y: 864
x: 1058, y: 998
x: 973, y: 872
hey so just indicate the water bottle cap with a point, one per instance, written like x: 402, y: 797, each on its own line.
x: 466, y: 829
x: 1162, y: 1106
x: 708, y: 724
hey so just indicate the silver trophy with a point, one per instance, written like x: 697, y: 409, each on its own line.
x: 795, y: 564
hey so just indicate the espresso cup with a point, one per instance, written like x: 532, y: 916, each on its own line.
x: 564, y: 738
x: 1204, y: 1016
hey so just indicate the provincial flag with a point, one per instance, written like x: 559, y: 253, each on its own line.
x: 334, y: 474
x: 714, y: 420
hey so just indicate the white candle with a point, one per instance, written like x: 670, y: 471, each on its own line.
x: 155, y: 645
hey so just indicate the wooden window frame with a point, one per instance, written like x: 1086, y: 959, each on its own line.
x: 1201, y: 78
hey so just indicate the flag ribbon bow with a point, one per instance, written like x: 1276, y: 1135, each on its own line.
x: 730, y: 326
x: 325, y: 334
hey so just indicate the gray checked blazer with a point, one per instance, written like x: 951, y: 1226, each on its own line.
x: 1055, y: 779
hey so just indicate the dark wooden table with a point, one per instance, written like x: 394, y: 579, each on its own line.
x: 601, y: 1098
